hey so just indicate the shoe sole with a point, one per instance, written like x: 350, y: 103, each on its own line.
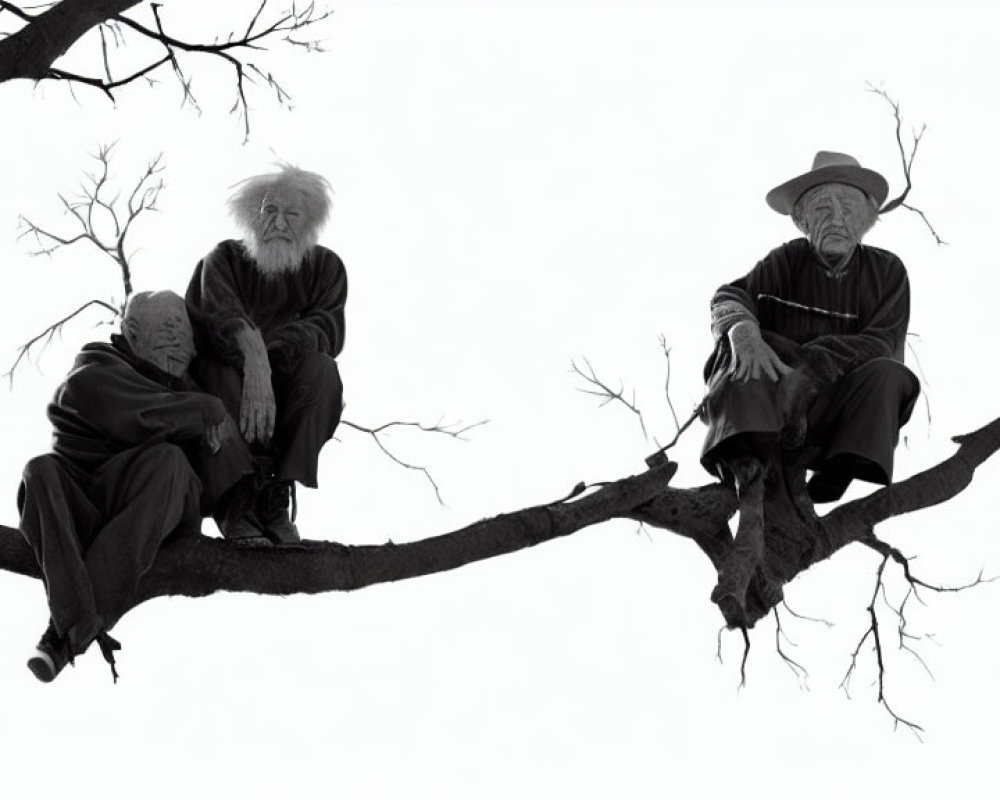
x: 40, y: 669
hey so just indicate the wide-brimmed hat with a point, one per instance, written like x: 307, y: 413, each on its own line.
x: 828, y: 168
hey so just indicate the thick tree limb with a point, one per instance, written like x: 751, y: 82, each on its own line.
x: 197, y: 565
x: 33, y: 51
x: 194, y: 565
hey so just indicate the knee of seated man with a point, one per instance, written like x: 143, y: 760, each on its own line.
x: 42, y: 468
x: 886, y: 375
x: 317, y: 376
x: 167, y: 459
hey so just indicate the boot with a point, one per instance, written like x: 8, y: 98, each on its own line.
x: 272, y: 511
x: 51, y: 655
x: 235, y: 515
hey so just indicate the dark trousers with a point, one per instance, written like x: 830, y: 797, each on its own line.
x: 96, y: 534
x: 308, y: 404
x: 858, y: 417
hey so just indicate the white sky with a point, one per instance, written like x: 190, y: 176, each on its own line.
x: 518, y: 185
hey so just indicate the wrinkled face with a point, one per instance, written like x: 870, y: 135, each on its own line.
x: 282, y: 217
x: 835, y: 217
x: 281, y: 232
x: 157, y: 327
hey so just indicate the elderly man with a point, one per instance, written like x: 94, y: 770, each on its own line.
x: 138, y: 451
x: 809, y: 352
x: 269, y: 315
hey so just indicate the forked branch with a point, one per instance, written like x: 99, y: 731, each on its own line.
x: 378, y: 434
x: 907, y: 157
x: 100, y: 216
x: 43, y: 339
x: 34, y: 51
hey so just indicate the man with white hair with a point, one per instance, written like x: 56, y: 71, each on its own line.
x: 268, y: 311
x: 138, y: 453
x: 809, y: 353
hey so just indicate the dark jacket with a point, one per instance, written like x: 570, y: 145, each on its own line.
x: 112, y: 401
x: 841, y: 321
x: 296, y: 313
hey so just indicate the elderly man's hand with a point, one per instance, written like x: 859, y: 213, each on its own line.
x: 257, y: 407
x: 215, y: 435
x: 753, y: 358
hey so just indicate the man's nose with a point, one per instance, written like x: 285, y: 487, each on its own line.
x: 280, y: 222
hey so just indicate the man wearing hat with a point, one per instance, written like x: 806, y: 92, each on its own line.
x: 809, y: 352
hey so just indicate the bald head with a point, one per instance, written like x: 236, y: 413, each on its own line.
x: 158, y: 330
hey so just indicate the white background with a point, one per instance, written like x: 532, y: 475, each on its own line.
x: 518, y: 185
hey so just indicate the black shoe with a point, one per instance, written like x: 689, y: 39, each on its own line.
x: 272, y: 511
x: 51, y: 655
x: 828, y: 485
x: 235, y: 515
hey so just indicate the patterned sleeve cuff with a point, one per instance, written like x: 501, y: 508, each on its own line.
x: 726, y: 313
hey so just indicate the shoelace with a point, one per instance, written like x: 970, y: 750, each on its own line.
x: 108, y: 646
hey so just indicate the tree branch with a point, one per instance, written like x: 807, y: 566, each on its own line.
x: 907, y: 159
x: 606, y: 393
x: 46, y: 336
x: 99, y: 216
x: 33, y: 51
x: 455, y: 431
x: 197, y: 565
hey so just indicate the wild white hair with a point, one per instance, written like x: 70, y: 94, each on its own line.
x: 248, y: 197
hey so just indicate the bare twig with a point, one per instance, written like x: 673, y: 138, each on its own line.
x: 746, y: 655
x: 800, y: 672
x: 888, y: 552
x: 666, y: 383
x: 47, y: 335
x: 660, y: 455
x: 263, y: 31
x: 907, y: 159
x: 607, y: 393
x: 185, y: 82
x: 455, y: 431
x: 797, y: 615
x: 257, y: 36
x: 98, y: 215
x: 927, y: 222
x: 905, y: 637
x: 93, y: 199
x: 924, y: 383
x: 873, y: 631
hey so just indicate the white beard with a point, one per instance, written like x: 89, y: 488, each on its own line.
x: 277, y: 257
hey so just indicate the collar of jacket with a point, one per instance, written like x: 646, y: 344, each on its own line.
x: 146, y: 368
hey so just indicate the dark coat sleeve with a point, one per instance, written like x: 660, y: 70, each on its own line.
x: 214, y: 304
x: 110, y: 399
x: 735, y: 302
x: 319, y: 327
